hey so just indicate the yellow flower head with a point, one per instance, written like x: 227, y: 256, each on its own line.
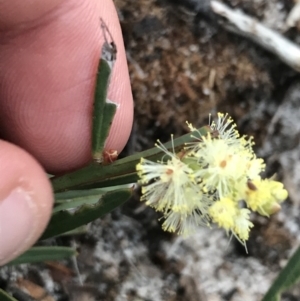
x: 218, y: 164
x: 264, y: 196
x: 223, y: 212
x: 170, y: 186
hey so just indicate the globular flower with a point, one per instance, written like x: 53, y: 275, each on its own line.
x: 169, y: 187
x: 211, y: 181
x: 265, y: 195
x: 167, y: 184
x: 218, y: 162
x: 223, y: 212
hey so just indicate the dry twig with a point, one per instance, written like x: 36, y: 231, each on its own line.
x: 239, y: 23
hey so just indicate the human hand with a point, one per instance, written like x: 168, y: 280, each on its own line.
x: 49, y: 53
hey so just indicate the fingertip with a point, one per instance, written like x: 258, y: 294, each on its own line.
x: 26, y: 200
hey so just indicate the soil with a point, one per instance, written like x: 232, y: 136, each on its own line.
x: 183, y: 66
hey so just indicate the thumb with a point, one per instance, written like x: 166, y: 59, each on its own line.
x: 25, y: 201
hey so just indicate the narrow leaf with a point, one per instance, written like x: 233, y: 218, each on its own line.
x: 104, y: 111
x: 40, y: 254
x: 61, y: 197
x: 286, y: 278
x: 78, y: 231
x: 64, y: 221
x: 4, y: 296
x: 72, y: 199
x: 113, y: 181
x: 121, y: 169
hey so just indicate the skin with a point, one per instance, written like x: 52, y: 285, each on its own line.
x: 49, y: 53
